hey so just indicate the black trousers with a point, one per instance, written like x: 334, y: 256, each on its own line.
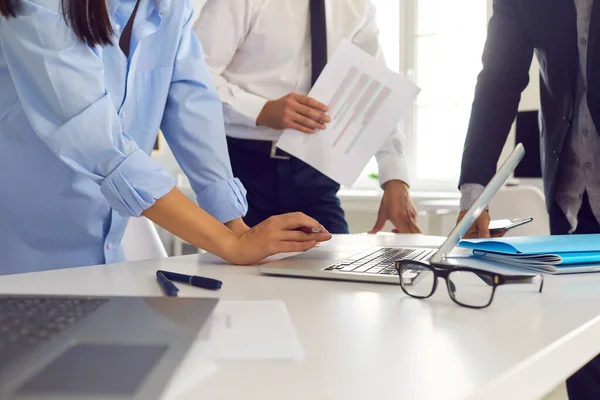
x: 278, y: 186
x: 585, y: 383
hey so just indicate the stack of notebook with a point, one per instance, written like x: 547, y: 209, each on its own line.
x: 551, y: 254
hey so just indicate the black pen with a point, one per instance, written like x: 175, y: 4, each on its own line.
x: 168, y: 287
x: 198, y: 281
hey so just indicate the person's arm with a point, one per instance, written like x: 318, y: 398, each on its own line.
x: 507, y: 57
x: 396, y: 204
x: 279, y: 234
x: 193, y: 127
x: 222, y: 28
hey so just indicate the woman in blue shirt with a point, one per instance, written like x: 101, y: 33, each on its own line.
x: 85, y: 85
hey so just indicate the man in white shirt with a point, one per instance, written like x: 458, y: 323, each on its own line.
x: 264, y: 56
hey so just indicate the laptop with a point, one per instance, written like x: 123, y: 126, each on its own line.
x: 377, y: 263
x: 94, y: 348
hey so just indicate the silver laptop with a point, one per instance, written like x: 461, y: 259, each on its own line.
x: 377, y: 264
x: 64, y: 348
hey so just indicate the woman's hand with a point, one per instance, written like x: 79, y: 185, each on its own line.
x: 279, y: 234
x: 234, y: 242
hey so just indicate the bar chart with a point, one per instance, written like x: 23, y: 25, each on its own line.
x: 354, y: 105
x: 366, y: 100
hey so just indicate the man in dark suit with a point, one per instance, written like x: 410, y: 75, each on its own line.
x: 565, y: 37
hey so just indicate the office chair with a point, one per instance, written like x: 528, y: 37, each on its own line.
x: 141, y: 241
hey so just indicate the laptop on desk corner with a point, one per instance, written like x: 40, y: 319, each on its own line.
x: 94, y: 348
x: 377, y: 263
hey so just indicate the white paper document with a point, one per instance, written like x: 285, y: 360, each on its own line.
x: 366, y: 101
x: 251, y: 330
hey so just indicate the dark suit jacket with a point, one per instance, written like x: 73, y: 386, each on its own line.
x: 517, y: 29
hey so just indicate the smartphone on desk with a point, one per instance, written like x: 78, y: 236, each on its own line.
x: 503, y: 225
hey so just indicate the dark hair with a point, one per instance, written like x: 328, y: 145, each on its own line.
x: 89, y: 19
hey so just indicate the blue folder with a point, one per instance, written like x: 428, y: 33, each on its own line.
x: 566, y: 249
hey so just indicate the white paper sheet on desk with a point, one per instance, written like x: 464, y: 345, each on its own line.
x: 366, y: 101
x: 251, y: 330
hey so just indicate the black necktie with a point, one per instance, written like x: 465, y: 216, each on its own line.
x: 318, y: 37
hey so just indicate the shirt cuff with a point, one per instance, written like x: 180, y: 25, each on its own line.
x: 392, y: 167
x: 225, y: 200
x: 469, y: 192
x: 244, y: 109
x: 136, y: 184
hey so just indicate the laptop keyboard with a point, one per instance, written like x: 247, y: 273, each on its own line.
x: 380, y: 261
x: 26, y: 322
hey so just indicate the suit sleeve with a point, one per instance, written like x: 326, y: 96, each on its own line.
x: 507, y: 58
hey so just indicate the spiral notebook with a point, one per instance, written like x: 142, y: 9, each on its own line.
x: 550, y: 254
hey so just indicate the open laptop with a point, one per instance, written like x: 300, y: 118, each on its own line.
x: 112, y: 348
x: 377, y: 264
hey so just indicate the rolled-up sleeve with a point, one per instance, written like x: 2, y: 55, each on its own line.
x: 194, y: 129
x: 129, y: 192
x: 59, y: 81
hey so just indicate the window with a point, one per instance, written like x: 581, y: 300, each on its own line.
x: 437, y: 44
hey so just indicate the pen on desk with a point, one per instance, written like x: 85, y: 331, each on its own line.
x: 198, y: 281
x: 167, y: 286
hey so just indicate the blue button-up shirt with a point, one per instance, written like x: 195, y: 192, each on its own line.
x: 78, y: 124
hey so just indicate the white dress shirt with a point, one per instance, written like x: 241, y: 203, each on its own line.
x: 260, y: 50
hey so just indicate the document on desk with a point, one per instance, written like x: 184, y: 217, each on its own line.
x: 366, y: 101
x: 251, y: 330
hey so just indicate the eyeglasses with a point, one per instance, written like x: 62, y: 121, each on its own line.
x: 468, y: 287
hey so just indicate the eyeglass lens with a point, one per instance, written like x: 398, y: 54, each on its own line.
x: 417, y: 280
x: 470, y: 288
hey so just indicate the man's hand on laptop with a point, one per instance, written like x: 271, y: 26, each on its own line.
x: 294, y: 111
x: 480, y: 229
x: 397, y: 207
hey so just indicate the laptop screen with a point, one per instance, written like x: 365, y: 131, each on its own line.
x: 480, y: 204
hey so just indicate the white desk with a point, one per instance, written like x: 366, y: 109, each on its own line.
x: 368, y: 341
